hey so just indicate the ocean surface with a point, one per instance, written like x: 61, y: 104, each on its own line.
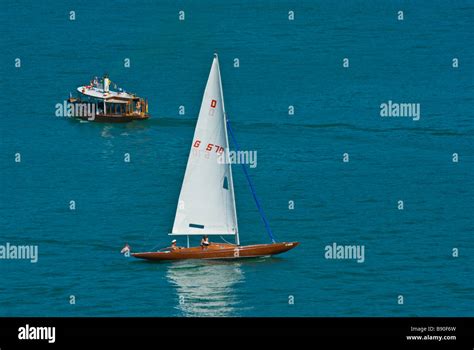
x: 283, y: 63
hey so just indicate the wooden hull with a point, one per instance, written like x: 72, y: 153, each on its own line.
x: 114, y: 118
x: 219, y: 251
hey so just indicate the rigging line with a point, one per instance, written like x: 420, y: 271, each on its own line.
x: 254, y: 194
x: 226, y: 240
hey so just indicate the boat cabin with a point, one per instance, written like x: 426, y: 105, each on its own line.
x: 105, y: 105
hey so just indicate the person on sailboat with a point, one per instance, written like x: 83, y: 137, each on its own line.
x: 126, y: 249
x: 205, y: 242
x: 173, y: 245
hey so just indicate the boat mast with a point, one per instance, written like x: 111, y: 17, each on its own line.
x: 237, y: 239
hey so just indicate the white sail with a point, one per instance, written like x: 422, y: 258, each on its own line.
x: 206, y: 203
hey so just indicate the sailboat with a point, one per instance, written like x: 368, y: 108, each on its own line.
x: 206, y: 205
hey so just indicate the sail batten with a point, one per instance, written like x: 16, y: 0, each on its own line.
x: 206, y: 203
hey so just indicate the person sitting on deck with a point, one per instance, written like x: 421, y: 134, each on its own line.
x: 174, y: 246
x: 126, y: 250
x: 205, y: 242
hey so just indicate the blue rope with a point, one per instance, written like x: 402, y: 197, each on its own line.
x: 254, y: 194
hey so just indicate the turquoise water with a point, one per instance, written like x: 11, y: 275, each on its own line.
x: 407, y: 252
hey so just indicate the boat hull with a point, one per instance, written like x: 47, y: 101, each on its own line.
x: 114, y: 118
x: 219, y: 251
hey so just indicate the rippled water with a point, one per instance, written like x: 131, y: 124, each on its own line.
x: 282, y: 63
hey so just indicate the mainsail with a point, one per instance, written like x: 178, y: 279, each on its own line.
x: 206, y: 203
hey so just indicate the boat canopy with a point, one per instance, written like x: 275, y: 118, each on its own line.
x: 116, y: 100
x: 100, y: 94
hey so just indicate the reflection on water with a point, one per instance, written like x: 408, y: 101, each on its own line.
x: 106, y: 132
x: 108, y: 149
x: 109, y: 132
x: 206, y: 288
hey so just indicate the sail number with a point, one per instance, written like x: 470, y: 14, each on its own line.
x: 210, y: 146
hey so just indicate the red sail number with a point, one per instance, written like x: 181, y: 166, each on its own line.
x: 218, y: 149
